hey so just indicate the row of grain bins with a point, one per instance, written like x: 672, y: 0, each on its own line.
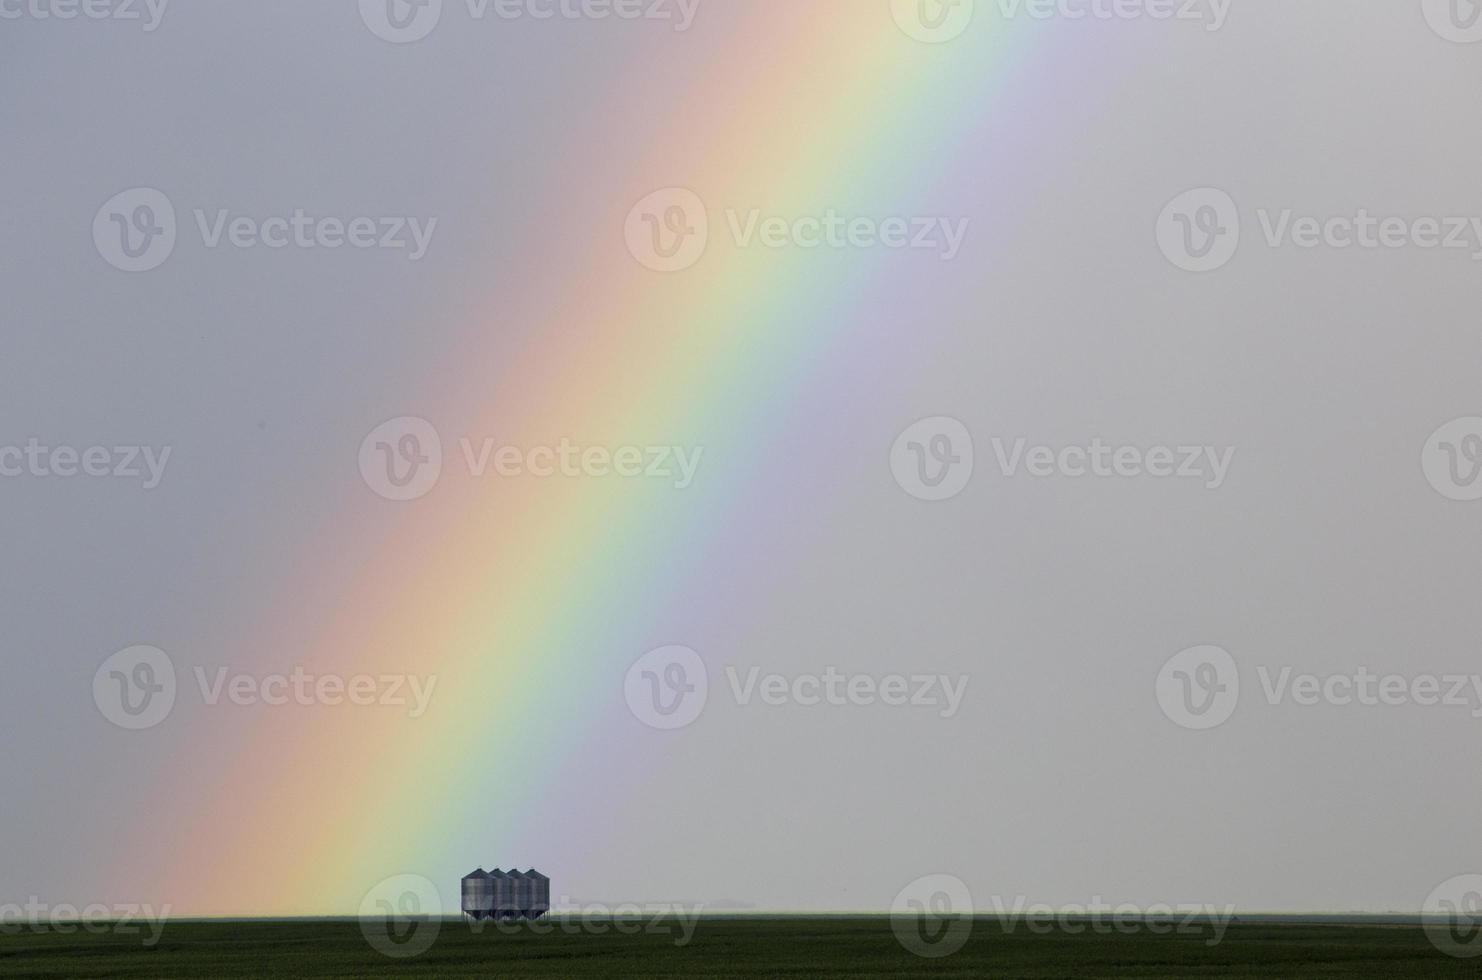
x: 506, y: 894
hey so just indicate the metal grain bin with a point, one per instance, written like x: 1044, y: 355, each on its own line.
x: 540, y: 894
x: 478, y: 895
x: 521, y: 890
x: 504, y: 894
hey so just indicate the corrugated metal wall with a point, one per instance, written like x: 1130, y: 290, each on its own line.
x: 521, y: 886
x: 504, y: 896
x: 478, y: 894
x: 541, y: 903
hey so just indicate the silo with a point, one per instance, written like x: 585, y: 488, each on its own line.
x: 540, y: 893
x: 504, y: 896
x: 478, y: 895
x: 520, y: 885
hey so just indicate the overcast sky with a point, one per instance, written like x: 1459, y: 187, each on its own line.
x: 1311, y: 514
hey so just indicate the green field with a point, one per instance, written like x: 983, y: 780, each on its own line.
x: 728, y: 947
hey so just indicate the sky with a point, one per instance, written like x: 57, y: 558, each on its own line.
x: 755, y: 455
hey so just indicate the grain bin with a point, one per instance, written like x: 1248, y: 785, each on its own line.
x: 511, y: 894
x: 540, y: 894
x: 521, y: 888
x: 478, y: 895
x: 504, y: 895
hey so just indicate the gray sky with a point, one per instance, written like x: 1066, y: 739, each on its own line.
x: 1312, y: 530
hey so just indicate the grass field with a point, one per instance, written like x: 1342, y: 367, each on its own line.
x: 728, y: 947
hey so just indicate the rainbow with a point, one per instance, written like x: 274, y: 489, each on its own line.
x: 528, y: 599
